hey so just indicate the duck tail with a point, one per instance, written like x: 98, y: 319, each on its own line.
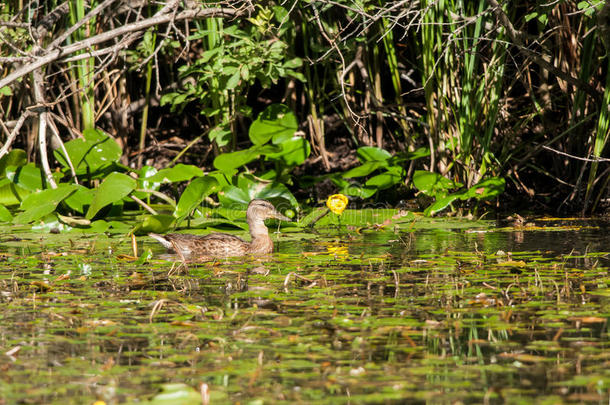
x: 162, y: 239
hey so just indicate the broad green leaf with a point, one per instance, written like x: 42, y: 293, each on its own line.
x: 42, y: 203
x: 90, y: 153
x: 364, y: 169
x: 433, y: 184
x: 221, y: 135
x: 98, y: 226
x: 371, y: 153
x: 231, y: 194
x: 29, y: 176
x: 5, y: 214
x: 194, y: 194
x: 277, y: 190
x: 176, y: 174
x: 118, y: 227
x: 276, y: 122
x: 114, y: 188
x: 293, y: 151
x: 416, y: 154
x: 80, y: 200
x: 155, y: 223
x: 223, y: 178
x: 233, y: 160
x: 50, y: 195
x: 16, y: 158
x: 34, y: 213
x: 144, y: 174
x: 11, y: 193
x: 233, y: 80
x: 176, y: 394
x: 384, y: 180
x: 486, y: 189
x: 440, y: 204
x: 249, y: 189
x: 293, y: 63
x: 353, y: 189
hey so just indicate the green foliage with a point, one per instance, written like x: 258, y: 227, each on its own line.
x: 237, y: 57
x: 247, y: 188
x: 194, y: 194
x: 175, y: 174
x: 273, y: 136
x: 90, y: 155
x: 96, y: 157
x: 113, y: 189
x: 387, y: 169
x: 439, y: 187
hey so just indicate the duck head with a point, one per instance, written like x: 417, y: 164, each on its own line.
x: 259, y: 210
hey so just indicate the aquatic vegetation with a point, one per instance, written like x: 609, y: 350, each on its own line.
x: 436, y: 311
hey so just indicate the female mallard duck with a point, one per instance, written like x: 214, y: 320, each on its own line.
x: 220, y: 245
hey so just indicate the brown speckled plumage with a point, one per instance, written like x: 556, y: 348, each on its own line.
x: 220, y: 245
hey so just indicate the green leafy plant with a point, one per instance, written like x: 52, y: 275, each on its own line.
x: 278, y: 150
x: 236, y: 57
x: 380, y: 167
x: 439, y: 187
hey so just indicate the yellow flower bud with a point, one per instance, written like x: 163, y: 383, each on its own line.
x: 337, y: 203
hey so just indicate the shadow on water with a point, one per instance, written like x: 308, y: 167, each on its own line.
x: 442, y: 312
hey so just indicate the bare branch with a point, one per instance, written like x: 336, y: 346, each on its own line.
x: 55, y: 54
x: 13, y: 134
x: 38, y: 79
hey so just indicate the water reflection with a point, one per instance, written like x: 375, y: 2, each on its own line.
x: 435, y: 315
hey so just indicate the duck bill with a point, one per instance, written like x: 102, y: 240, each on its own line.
x: 281, y: 217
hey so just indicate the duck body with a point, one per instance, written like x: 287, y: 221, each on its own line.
x: 221, y: 245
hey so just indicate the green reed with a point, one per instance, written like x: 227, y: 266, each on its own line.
x: 462, y: 72
x: 84, y: 70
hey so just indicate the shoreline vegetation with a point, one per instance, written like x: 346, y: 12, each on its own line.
x: 463, y: 107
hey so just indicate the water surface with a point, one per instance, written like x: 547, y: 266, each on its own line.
x: 416, y: 311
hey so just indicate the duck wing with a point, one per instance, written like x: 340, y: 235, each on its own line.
x: 212, y: 245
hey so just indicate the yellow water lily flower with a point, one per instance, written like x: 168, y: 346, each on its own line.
x: 337, y: 203
x: 339, y: 250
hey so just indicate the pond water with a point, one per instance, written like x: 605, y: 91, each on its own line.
x: 417, y: 311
